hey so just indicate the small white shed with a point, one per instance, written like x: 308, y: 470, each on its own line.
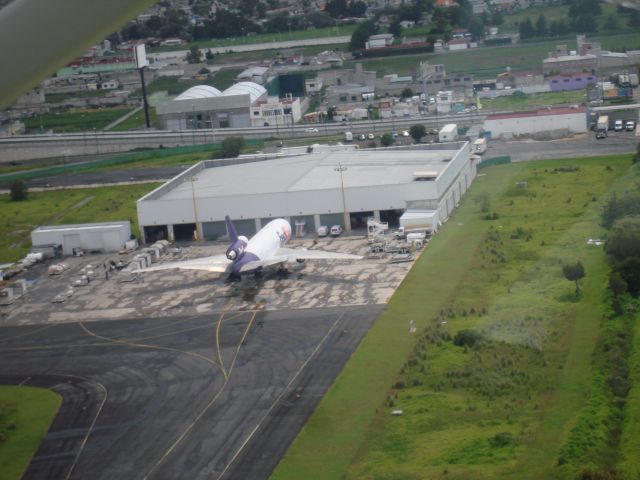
x: 104, y: 237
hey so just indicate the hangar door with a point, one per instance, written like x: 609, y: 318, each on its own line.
x: 69, y: 242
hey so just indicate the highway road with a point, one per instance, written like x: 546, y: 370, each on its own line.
x: 27, y: 147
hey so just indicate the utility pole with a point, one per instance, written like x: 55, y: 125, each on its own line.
x: 347, y: 220
x: 141, y: 62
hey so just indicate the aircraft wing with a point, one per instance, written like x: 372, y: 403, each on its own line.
x: 283, y: 255
x: 291, y: 254
x: 215, y: 263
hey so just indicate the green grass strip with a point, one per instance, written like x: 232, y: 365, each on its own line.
x: 25, y: 416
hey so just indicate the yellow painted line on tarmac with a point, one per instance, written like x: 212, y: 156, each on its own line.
x: 86, y: 437
x: 277, y: 400
x: 218, y: 350
x: 211, y: 402
x: 144, y: 345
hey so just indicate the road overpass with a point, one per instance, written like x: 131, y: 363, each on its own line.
x: 67, y: 145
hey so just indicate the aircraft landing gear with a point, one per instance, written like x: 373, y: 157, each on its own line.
x: 233, y: 277
x: 282, y: 272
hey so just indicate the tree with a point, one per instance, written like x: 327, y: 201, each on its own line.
x: 496, y: 18
x: 18, y: 190
x: 231, y: 147
x: 611, y: 23
x: 636, y: 157
x: 361, y: 34
x: 395, y: 28
x: 541, y: 26
x: 634, y: 19
x: 629, y: 270
x: 386, y: 139
x: 526, y: 29
x: 574, y: 273
x: 209, y: 55
x: 194, y: 55
x: 417, y: 132
x: 624, y: 238
x: 406, y: 93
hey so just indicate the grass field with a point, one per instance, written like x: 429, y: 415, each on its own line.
x: 524, y: 402
x: 73, y: 121
x: 64, y: 206
x: 137, y: 121
x: 345, y: 30
x: 25, y: 416
x: 487, y: 62
x: 531, y: 102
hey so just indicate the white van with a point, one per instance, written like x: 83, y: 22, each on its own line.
x: 322, y: 231
x: 618, y: 126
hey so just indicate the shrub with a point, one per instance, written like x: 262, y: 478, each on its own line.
x: 501, y: 439
x: 466, y: 337
x: 19, y: 190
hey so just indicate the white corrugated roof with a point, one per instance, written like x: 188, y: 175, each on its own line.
x: 199, y: 91
x: 254, y: 90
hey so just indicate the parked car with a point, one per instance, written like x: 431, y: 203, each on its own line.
x: 362, y: 137
x: 322, y: 231
x: 371, y: 136
x: 405, y: 133
x: 630, y: 126
x: 394, y: 134
x: 311, y: 130
x: 618, y: 126
x: 336, y: 230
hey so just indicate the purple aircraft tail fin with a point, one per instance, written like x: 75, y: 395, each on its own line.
x: 231, y: 230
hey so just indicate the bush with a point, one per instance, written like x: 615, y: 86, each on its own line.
x: 386, y: 139
x: 417, y: 132
x: 467, y: 337
x: 231, y: 147
x: 624, y: 238
x: 501, y: 439
x: 19, y: 190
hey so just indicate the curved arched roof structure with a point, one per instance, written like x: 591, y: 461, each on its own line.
x: 199, y: 91
x: 254, y: 90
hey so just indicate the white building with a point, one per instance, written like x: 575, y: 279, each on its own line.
x: 555, y: 121
x: 379, y: 183
x: 274, y: 111
x: 380, y: 40
x: 104, y: 237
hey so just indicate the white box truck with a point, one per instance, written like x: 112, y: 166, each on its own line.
x: 348, y: 137
x: 449, y: 133
x: 602, y: 126
x: 479, y: 146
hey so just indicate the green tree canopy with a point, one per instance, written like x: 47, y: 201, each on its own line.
x: 18, y: 190
x: 574, y: 273
x: 624, y: 238
x: 386, y: 139
x: 417, y: 132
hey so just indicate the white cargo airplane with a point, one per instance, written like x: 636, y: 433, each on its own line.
x: 266, y: 248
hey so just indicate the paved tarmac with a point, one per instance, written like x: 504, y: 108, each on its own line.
x: 205, y: 396
x: 180, y: 374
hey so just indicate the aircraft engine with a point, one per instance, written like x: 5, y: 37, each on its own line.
x: 236, y: 250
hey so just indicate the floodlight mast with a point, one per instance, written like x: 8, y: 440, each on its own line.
x: 140, y: 56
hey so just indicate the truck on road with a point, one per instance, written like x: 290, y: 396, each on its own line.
x: 448, y: 133
x: 602, y: 127
x: 479, y: 146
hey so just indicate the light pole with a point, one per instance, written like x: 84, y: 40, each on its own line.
x: 347, y: 221
x: 193, y: 124
x: 196, y: 235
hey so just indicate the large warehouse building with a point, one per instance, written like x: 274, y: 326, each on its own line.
x: 554, y: 121
x: 314, y: 188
